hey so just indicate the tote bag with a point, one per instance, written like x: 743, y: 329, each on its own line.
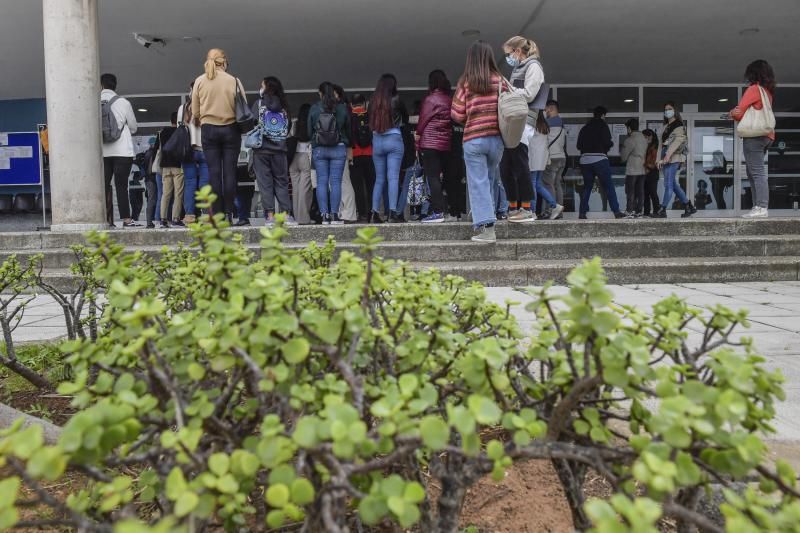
x: 757, y: 122
x: 512, y: 113
x: 244, y: 115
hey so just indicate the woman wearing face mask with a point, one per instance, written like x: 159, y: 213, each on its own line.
x: 673, y: 156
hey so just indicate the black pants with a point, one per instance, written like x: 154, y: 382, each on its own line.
x: 718, y: 186
x: 137, y: 202
x: 651, y: 200
x: 434, y: 162
x: 362, y: 177
x: 454, y: 184
x: 151, y: 188
x: 634, y: 193
x: 117, y: 169
x: 516, y: 176
x: 221, y: 146
x: 272, y: 174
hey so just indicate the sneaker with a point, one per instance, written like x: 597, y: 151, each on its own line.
x: 512, y: 212
x: 485, y: 235
x: 180, y: 224
x: 375, y: 218
x: 430, y: 219
x: 661, y: 213
x: 326, y: 219
x: 290, y: 221
x: 396, y: 218
x: 164, y: 224
x: 502, y: 216
x: 619, y: 214
x: 757, y: 212
x: 582, y: 216
x: 242, y: 222
x: 189, y: 219
x: 150, y: 225
x: 522, y: 216
x: 630, y: 215
x: 270, y: 219
x: 556, y: 211
x: 689, y: 210
x: 336, y: 221
x: 131, y: 224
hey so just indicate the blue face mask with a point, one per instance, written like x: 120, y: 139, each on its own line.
x: 669, y: 113
x: 512, y: 61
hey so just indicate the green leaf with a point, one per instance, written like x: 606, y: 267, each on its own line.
x: 176, y: 484
x: 196, y: 371
x: 296, y: 350
x: 244, y: 464
x: 278, y: 496
x: 484, y: 409
x: 8, y: 517
x: 305, y: 432
x: 219, y: 464
x: 8, y: 491
x: 408, y: 384
x: 302, y: 491
x: 495, y: 450
x: 372, y: 509
x: 186, y: 503
x: 227, y: 484
x: 435, y: 432
x: 414, y: 492
x: 276, y: 518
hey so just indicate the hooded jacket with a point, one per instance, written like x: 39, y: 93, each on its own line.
x: 434, y: 126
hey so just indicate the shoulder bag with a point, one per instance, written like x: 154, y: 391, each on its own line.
x: 512, y: 113
x: 245, y: 119
x: 757, y: 122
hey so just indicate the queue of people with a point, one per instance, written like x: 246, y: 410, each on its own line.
x: 369, y: 161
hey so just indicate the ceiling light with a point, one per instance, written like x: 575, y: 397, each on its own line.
x: 629, y: 100
x: 722, y: 100
x: 471, y: 33
x: 142, y: 110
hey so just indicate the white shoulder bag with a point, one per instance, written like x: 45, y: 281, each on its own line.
x: 757, y: 122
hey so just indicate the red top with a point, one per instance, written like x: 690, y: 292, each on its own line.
x: 359, y: 151
x: 751, y: 97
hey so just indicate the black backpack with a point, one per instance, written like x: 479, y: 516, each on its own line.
x: 327, y: 131
x: 362, y: 131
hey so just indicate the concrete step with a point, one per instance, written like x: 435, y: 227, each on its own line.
x: 526, y: 250
x: 417, y: 232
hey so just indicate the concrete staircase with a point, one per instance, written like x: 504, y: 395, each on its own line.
x: 633, y: 251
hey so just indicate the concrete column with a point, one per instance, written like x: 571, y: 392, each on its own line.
x: 72, y: 75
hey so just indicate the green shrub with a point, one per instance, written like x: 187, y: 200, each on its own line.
x: 294, y: 390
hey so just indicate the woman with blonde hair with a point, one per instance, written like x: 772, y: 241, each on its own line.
x: 214, y: 109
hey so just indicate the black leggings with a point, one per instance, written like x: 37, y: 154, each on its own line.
x: 433, y: 163
x: 516, y: 176
x: 651, y: 192
x: 221, y: 146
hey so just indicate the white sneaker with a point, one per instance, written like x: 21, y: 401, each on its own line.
x: 485, y: 235
x: 522, y: 216
x: 557, y: 210
x: 757, y: 212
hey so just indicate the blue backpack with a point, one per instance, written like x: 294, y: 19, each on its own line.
x: 275, y: 125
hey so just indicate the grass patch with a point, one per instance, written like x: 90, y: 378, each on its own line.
x: 44, y: 359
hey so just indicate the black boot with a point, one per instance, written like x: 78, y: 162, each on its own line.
x: 661, y: 213
x: 396, y: 218
x: 689, y: 210
x: 375, y: 218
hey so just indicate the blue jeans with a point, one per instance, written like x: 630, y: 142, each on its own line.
x: 329, y: 161
x: 671, y: 185
x: 482, y: 158
x: 601, y: 169
x: 538, y: 188
x: 387, y: 155
x: 195, y: 175
x: 160, y: 191
x: 500, y: 197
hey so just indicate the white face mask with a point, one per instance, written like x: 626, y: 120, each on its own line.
x: 669, y: 113
x: 261, y: 92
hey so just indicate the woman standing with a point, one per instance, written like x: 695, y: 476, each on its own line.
x: 329, y: 129
x: 475, y: 106
x: 759, y: 74
x: 270, y: 162
x: 538, y: 156
x: 434, y: 133
x: 385, y: 120
x: 651, y: 174
x: 673, y: 156
x: 300, y: 169
x: 214, y: 108
x: 195, y: 172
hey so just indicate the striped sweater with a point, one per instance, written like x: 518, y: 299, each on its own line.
x: 477, y: 112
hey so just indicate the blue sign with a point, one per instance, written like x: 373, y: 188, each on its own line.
x: 20, y: 159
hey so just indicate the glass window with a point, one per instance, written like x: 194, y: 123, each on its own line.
x: 154, y: 108
x: 787, y: 99
x: 707, y: 99
x: 585, y: 99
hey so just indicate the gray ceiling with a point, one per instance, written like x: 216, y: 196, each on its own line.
x: 352, y: 42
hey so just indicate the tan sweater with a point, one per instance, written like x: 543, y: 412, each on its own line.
x: 213, y: 100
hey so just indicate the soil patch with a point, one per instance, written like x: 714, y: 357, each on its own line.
x: 47, y: 405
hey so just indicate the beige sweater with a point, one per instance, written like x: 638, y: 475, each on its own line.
x: 213, y: 100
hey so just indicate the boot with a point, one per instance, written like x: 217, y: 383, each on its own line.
x: 689, y: 210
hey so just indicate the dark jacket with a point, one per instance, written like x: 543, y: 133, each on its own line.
x: 272, y: 103
x: 595, y: 137
x: 434, y: 127
x: 342, y: 122
x: 161, y: 139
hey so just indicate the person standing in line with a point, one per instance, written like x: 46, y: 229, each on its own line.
x: 434, y: 134
x: 118, y: 154
x: 455, y: 175
x: 651, y: 201
x: 634, y: 152
x: 475, y: 106
x: 214, y: 108
x: 348, y: 210
x: 552, y: 179
x: 538, y: 156
x: 673, y: 155
x: 171, y: 177
x: 195, y: 172
x: 270, y: 162
x: 300, y: 169
x: 758, y: 74
x: 594, y: 142
x: 329, y: 129
x: 527, y: 76
x: 362, y: 171
x: 386, y: 118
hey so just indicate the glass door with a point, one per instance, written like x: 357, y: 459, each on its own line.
x: 711, y: 167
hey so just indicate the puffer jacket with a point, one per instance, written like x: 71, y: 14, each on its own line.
x: 434, y: 127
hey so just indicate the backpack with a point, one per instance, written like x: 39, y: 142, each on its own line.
x: 363, y: 133
x: 275, y: 125
x: 327, y: 131
x: 112, y: 131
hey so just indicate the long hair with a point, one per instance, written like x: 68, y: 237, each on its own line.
x: 437, y: 81
x: 653, y: 138
x: 215, y: 59
x: 528, y: 47
x: 274, y: 87
x: 328, y: 96
x: 678, y: 118
x: 541, y: 124
x: 479, y: 68
x: 300, y: 130
x: 380, y: 105
x: 760, y: 72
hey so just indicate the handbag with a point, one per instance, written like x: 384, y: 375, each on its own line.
x: 512, y: 114
x: 245, y: 119
x: 757, y: 122
x: 254, y: 138
x: 155, y: 167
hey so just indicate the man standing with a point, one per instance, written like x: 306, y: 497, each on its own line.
x: 117, y: 149
x: 594, y: 142
x: 171, y: 177
x: 552, y: 179
x: 634, y: 152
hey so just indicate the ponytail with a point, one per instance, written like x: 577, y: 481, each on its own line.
x: 215, y: 59
x: 528, y: 46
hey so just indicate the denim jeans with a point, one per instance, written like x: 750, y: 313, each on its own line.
x: 500, y: 196
x: 754, y: 150
x: 195, y: 176
x: 387, y: 155
x: 221, y: 145
x: 671, y: 185
x: 539, y: 188
x: 601, y: 169
x: 160, y: 193
x: 482, y: 159
x: 329, y: 161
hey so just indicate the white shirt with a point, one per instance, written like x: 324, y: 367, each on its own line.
x: 123, y: 112
x: 195, y: 133
x: 538, y: 154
